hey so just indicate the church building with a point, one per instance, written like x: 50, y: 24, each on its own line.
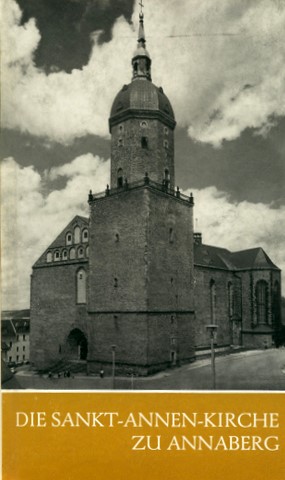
x: 133, y: 280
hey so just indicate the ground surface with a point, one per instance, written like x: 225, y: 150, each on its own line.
x: 251, y: 370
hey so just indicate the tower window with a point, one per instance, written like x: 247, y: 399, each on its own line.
x: 121, y: 128
x: 115, y: 282
x: 144, y: 142
x: 171, y: 239
x: 143, y: 124
x: 165, y: 131
x: 165, y: 143
x: 120, y: 142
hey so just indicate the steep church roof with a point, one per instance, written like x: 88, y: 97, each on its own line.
x: 210, y: 256
x: 253, y: 258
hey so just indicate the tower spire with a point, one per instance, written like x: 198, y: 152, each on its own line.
x: 141, y: 60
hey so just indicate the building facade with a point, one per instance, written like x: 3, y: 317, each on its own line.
x: 133, y: 281
x: 15, y: 336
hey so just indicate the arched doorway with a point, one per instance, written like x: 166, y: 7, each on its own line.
x: 77, y: 345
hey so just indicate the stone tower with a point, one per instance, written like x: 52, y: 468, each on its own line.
x: 142, y: 126
x: 140, y: 288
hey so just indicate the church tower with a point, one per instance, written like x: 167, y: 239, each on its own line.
x: 140, y: 286
x: 142, y: 126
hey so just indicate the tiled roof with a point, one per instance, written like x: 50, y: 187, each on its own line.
x: 209, y: 256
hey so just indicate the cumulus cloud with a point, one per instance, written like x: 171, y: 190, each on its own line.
x: 221, y: 62
x: 238, y: 226
x: 31, y: 219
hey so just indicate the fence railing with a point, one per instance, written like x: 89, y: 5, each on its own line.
x: 162, y: 187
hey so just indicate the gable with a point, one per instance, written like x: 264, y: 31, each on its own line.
x: 70, y: 244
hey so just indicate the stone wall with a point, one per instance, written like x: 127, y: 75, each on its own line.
x: 54, y: 312
x: 128, y: 154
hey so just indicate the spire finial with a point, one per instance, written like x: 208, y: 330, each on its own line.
x: 142, y: 6
x: 141, y: 60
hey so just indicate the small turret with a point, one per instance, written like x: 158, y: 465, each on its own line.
x: 141, y: 60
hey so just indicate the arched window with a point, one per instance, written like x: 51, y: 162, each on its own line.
x: 68, y: 238
x: 64, y: 254
x: 165, y: 143
x: 213, y: 301
x: 81, y: 286
x: 262, y: 301
x: 80, y: 252
x: 77, y: 235
x: 85, y: 235
x: 72, y: 253
x: 56, y: 256
x: 120, y: 178
x: 49, y: 257
x: 276, y: 305
x: 87, y: 251
x: 230, y: 299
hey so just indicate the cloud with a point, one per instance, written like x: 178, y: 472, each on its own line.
x: 205, y: 55
x: 32, y: 219
x: 238, y: 226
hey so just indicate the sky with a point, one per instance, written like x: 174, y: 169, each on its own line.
x: 220, y: 62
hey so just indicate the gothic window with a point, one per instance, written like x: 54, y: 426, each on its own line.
x: 72, y: 253
x: 143, y: 124
x: 276, y: 300
x: 213, y: 301
x: 77, y: 235
x: 68, y: 239
x: 85, y: 235
x: 81, y: 286
x: 230, y: 300
x: 49, y: 257
x: 120, y: 178
x: 261, y: 302
x: 120, y: 142
x: 165, y: 131
x: 165, y: 143
x: 144, y: 142
x: 64, y: 255
x: 56, y: 256
x: 121, y: 128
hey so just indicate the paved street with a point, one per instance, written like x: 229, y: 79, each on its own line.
x: 251, y: 370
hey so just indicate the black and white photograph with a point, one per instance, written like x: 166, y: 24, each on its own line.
x: 143, y: 195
